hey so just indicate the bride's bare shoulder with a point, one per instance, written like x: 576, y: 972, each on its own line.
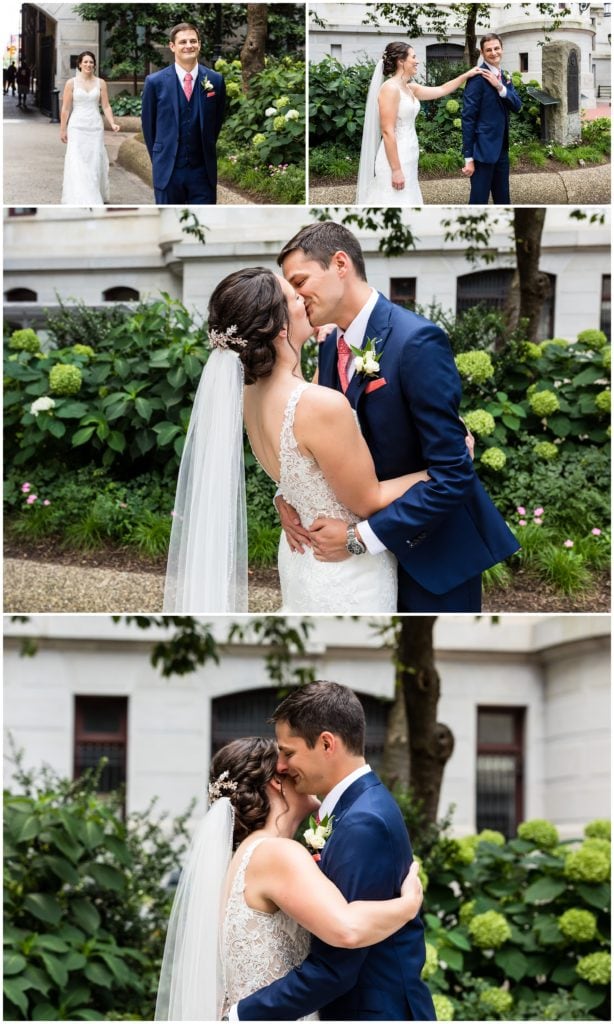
x: 280, y: 852
x: 317, y: 398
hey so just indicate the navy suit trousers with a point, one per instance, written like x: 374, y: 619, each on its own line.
x: 467, y: 597
x: 491, y: 178
x: 187, y: 185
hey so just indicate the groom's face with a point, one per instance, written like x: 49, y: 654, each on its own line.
x: 186, y: 47
x: 322, y: 288
x: 306, y: 766
x: 492, y: 52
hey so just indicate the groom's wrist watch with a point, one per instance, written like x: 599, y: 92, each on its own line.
x: 353, y: 543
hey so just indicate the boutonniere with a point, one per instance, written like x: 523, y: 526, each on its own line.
x: 367, y: 358
x: 316, y: 835
x: 506, y: 78
x: 207, y: 85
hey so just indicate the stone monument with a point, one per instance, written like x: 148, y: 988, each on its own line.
x: 561, y: 80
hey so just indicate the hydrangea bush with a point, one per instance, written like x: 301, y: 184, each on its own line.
x: 520, y: 929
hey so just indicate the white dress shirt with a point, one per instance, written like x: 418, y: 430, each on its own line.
x: 355, y: 334
x: 182, y: 72
x: 331, y: 799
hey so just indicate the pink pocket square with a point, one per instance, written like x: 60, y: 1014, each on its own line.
x: 210, y: 94
x: 375, y: 384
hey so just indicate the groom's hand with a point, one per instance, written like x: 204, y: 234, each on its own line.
x: 329, y: 539
x: 468, y: 169
x: 296, y: 535
x: 492, y: 79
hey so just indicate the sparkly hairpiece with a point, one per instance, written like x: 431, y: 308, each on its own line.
x: 221, y: 786
x: 223, y: 339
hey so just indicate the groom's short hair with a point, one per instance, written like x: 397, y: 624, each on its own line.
x: 488, y: 37
x: 321, y: 707
x: 183, y: 26
x: 321, y: 241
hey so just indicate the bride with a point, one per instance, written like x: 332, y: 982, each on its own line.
x: 243, y: 919
x: 300, y: 434
x: 86, y: 164
x: 388, y: 169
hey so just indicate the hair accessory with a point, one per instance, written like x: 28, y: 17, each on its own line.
x: 221, y: 786
x: 223, y: 339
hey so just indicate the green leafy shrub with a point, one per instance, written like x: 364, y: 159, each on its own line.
x: 85, y: 912
x: 337, y: 97
x: 125, y: 104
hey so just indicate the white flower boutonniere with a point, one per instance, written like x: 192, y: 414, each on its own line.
x: 367, y: 358
x: 316, y: 835
x: 207, y: 85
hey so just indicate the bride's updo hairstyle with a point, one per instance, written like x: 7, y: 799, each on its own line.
x: 86, y: 53
x: 252, y: 301
x: 393, y: 53
x: 247, y: 766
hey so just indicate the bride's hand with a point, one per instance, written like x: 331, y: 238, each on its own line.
x: 398, y: 180
x: 473, y: 72
x: 412, y: 889
x: 291, y: 525
x: 321, y: 333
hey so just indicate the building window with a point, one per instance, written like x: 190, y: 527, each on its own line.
x: 500, y: 769
x: 524, y: 61
x: 490, y: 289
x: 443, y: 56
x: 248, y: 713
x: 22, y: 211
x: 120, y: 294
x: 336, y: 51
x: 403, y: 291
x: 606, y: 305
x: 20, y: 295
x: 101, y: 730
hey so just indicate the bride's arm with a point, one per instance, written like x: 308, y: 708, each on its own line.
x: 66, y: 109
x: 435, y: 92
x: 326, y: 426
x: 106, y: 106
x: 285, y: 873
x: 388, y: 103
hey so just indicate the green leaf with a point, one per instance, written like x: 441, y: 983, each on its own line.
x: 459, y: 939
x: 564, y: 974
x: 117, y: 967
x: 144, y: 408
x: 166, y: 432
x: 116, y: 441
x: 66, y: 845
x: 588, y: 376
x: 82, y: 436
x: 44, y: 907
x: 29, y: 828
x: 37, y: 979
x: 55, y: 427
x: 512, y: 962
x: 433, y: 922
x: 74, y: 961
x: 80, y: 994
x: 510, y: 421
x: 70, y: 410
x: 86, y: 915
x: 595, y: 895
x: 549, y: 933
x: 14, y: 963
x: 55, y: 969
x: 14, y: 992
x: 453, y: 958
x: 119, y: 850
x: 176, y: 377
x: 63, y: 869
x: 92, y: 834
x: 86, y: 1014
x: 560, y: 425
x: 52, y: 943
x: 44, y: 1011
x: 98, y: 975
x: 545, y: 889
x: 588, y: 996
x: 107, y: 876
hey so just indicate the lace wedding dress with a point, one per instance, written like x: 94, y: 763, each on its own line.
x: 381, y: 192
x: 256, y: 948
x: 86, y: 165
x: 361, y: 583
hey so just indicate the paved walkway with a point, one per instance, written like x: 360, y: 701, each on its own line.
x: 32, y: 587
x: 34, y: 163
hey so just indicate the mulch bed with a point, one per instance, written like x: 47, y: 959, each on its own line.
x: 526, y: 593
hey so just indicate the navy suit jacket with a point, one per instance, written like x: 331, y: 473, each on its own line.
x: 367, y: 857
x: 485, y: 119
x: 160, y: 120
x: 446, y: 531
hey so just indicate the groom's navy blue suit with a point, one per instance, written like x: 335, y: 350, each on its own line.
x: 367, y: 857
x: 485, y: 119
x: 181, y: 136
x: 444, y: 533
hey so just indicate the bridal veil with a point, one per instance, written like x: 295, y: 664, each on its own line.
x: 371, y: 136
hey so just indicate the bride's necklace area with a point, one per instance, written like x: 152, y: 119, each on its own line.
x: 81, y: 80
x: 403, y: 83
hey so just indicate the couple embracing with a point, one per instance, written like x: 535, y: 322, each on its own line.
x: 379, y: 500
x: 261, y: 930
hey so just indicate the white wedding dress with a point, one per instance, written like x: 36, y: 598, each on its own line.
x: 256, y: 948
x: 86, y: 165
x: 360, y: 583
x: 380, y: 191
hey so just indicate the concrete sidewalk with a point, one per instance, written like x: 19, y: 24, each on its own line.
x: 34, y: 163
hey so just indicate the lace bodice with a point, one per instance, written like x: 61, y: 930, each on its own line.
x: 86, y: 107
x: 301, y: 480
x: 409, y: 108
x: 257, y: 948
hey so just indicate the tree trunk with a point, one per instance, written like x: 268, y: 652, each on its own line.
x: 530, y: 287
x: 253, y: 50
x: 471, y: 43
x: 395, y: 759
x: 430, y: 743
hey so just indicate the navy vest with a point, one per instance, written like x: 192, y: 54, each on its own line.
x: 190, y: 148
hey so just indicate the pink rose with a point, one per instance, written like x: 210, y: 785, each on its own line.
x: 26, y: 487
x: 31, y: 499
x: 537, y: 522
x: 596, y: 532
x: 568, y: 543
x: 538, y: 511
x: 521, y: 511
x: 46, y: 501
x: 522, y: 522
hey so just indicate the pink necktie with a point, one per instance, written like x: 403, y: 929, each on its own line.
x: 344, y: 355
x: 187, y: 86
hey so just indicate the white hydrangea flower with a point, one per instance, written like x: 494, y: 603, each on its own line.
x: 270, y: 111
x: 42, y: 405
x: 292, y: 115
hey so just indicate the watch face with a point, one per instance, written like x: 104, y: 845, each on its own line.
x: 355, y: 547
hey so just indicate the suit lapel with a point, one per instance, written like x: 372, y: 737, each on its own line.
x: 378, y: 327
x: 345, y: 801
x: 174, y: 85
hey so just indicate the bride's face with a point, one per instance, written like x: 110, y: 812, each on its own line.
x: 87, y: 66
x: 299, y: 328
x: 409, y: 66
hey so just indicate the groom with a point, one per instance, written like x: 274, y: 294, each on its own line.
x: 406, y: 394
x: 487, y: 101
x: 320, y: 731
x: 182, y: 114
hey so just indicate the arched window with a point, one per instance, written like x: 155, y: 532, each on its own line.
x: 20, y: 295
x: 490, y: 289
x: 121, y: 294
x: 247, y: 714
x: 442, y: 56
